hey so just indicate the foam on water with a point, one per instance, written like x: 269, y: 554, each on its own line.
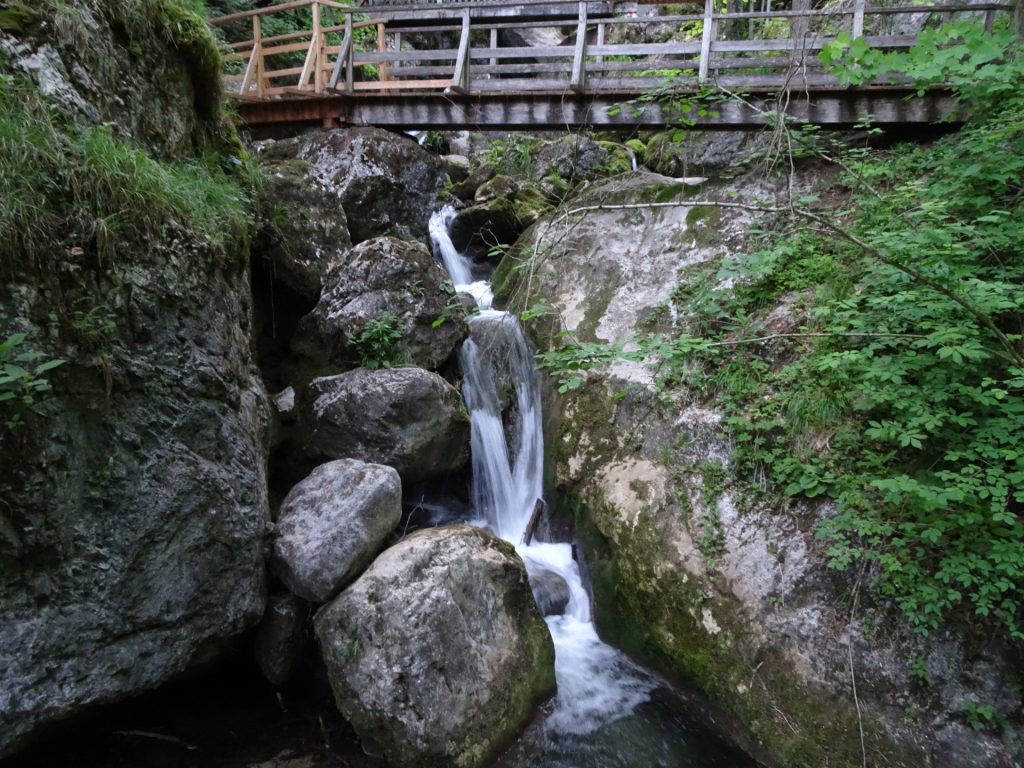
x: 596, y: 683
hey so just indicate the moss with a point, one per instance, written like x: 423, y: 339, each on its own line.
x: 637, y: 146
x: 16, y: 18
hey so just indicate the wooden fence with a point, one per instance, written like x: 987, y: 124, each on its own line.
x: 456, y: 48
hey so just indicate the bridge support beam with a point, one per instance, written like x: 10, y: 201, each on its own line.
x: 827, y: 108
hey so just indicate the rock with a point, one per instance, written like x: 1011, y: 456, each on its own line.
x: 386, y: 183
x: 478, y: 229
x: 550, y: 591
x: 700, y: 152
x: 407, y: 418
x: 384, y: 279
x: 574, y: 158
x: 499, y: 187
x: 438, y: 652
x: 332, y: 524
x: 281, y: 637
x: 284, y: 405
x: 503, y: 209
x: 466, y: 190
x: 307, y: 233
x: 457, y: 167
x: 652, y: 483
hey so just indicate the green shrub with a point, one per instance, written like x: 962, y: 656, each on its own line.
x: 377, y: 344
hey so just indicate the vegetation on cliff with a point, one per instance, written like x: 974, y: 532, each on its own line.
x: 901, y: 395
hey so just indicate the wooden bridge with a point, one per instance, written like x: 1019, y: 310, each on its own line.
x: 472, y: 65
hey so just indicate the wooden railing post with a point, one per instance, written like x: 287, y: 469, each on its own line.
x: 312, y: 63
x: 494, y: 44
x: 858, y: 18
x: 706, y: 40
x: 383, y: 67
x: 350, y: 58
x: 460, y: 77
x: 318, y: 59
x: 257, y: 52
x: 344, y: 60
x: 578, y: 82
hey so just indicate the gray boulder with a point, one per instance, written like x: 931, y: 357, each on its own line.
x: 308, y: 231
x: 407, y: 418
x: 386, y: 183
x: 438, y: 652
x: 395, y: 286
x: 332, y: 524
x: 281, y: 637
x: 550, y: 591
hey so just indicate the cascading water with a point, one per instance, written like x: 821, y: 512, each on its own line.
x: 597, y: 684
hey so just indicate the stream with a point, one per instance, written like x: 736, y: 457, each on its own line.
x: 609, y: 711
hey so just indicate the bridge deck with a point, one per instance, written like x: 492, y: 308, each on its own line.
x: 473, y: 64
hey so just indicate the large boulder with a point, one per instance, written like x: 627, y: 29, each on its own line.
x: 384, y: 281
x: 332, y: 524
x: 306, y: 232
x: 438, y: 652
x: 386, y: 182
x: 407, y: 418
x: 696, y: 569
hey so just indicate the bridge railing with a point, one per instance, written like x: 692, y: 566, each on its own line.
x: 456, y: 47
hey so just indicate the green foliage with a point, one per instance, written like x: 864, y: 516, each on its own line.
x: 377, y: 344
x: 901, y: 397
x: 981, y: 717
x: 513, y: 156
x: 22, y: 377
x: 62, y: 185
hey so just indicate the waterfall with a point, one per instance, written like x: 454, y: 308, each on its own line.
x: 596, y: 683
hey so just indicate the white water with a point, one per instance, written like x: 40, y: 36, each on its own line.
x: 596, y: 683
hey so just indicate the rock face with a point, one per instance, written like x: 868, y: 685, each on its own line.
x: 386, y: 183
x: 438, y: 652
x: 308, y: 234
x: 687, y: 571
x: 383, y: 279
x: 134, y: 495
x: 332, y: 524
x: 407, y: 418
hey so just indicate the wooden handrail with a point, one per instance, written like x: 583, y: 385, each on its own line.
x: 582, y: 68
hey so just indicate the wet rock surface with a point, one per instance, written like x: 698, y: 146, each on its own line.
x: 406, y: 418
x: 438, y: 652
x: 757, y: 624
x: 390, y: 281
x: 385, y: 182
x: 332, y: 524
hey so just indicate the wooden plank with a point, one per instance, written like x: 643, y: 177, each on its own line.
x: 220, y: 21
x: 270, y: 74
x: 857, y: 28
x: 250, y: 69
x: 382, y: 48
x: 277, y: 50
x: 460, y: 78
x: 306, y: 70
x: 578, y: 81
x: 645, y: 49
x: 317, y: 45
x: 705, y: 41
x: 401, y: 85
x: 349, y: 64
x: 343, y: 56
